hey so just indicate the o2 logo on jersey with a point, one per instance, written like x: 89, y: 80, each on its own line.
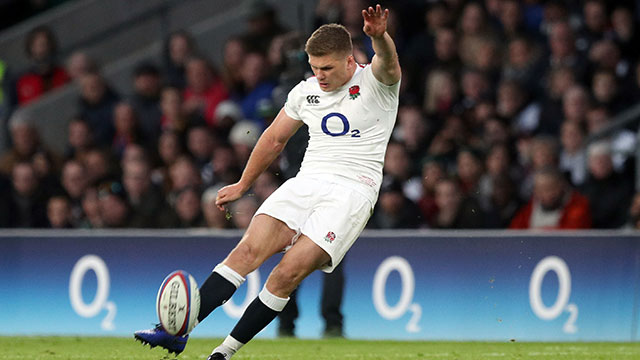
x: 345, y: 126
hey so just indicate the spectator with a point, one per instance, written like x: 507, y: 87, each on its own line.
x: 412, y: 130
x: 441, y: 93
x: 174, y: 117
x: 183, y: 173
x: 127, y: 128
x: 455, y: 210
x: 475, y: 85
x: 79, y: 64
x: 606, y: 91
x: 502, y: 203
x: 469, y: 170
x: 146, y: 200
x: 486, y: 57
x: 575, y: 104
x: 432, y: 172
x: 91, y: 209
x: 178, y: 48
x: 133, y: 153
x: 397, y: 165
x: 233, y: 55
x: 79, y: 139
x: 596, y: 23
x: 421, y: 47
x: 46, y: 167
x: 27, y: 205
x: 394, y: 210
x: 625, y: 31
x: 572, y: 157
x: 541, y: 152
x: 99, y: 166
x: 255, y: 99
x: 522, y: 63
x: 204, y: 90
x: 97, y: 102
x: 609, y: 192
x: 200, y: 144
x: 145, y: 100
x: 511, y: 18
x: 25, y: 138
x: 59, y: 212
x: 554, y: 205
x: 496, y: 131
x: 74, y: 182
x: 605, y: 54
x: 112, y: 205
x: 43, y: 74
x: 169, y: 150
x: 188, y: 213
x: 224, y: 166
x: 558, y: 83
x: 563, y: 52
x: 514, y: 103
x: 262, y: 25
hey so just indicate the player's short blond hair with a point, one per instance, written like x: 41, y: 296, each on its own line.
x: 329, y: 39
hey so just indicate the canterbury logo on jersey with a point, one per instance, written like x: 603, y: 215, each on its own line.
x: 313, y: 99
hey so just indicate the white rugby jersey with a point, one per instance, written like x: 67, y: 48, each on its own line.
x: 349, y: 128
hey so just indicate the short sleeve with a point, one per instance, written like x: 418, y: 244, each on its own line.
x: 385, y: 95
x: 293, y: 104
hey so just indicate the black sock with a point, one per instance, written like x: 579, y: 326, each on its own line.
x: 255, y: 318
x: 215, y: 291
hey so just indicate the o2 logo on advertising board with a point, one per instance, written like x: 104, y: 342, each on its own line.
x: 97, y: 265
x: 558, y: 266
x: 404, y: 304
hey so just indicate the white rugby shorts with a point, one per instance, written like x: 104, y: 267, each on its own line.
x: 331, y: 214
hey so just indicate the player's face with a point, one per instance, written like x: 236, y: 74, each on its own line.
x: 333, y: 70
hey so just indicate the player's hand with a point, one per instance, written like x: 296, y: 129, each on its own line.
x: 228, y: 194
x: 375, y: 21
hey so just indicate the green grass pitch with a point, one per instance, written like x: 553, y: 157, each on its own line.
x: 100, y: 348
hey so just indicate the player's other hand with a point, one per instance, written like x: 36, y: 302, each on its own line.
x: 228, y: 194
x: 375, y: 21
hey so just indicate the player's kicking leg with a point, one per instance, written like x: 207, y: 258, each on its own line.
x: 301, y: 260
x: 264, y: 237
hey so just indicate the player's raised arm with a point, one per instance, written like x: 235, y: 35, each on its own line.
x: 269, y: 146
x: 385, y: 65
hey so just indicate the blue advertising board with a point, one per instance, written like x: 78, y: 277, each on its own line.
x: 398, y: 285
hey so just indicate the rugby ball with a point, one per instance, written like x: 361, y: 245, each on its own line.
x: 178, y: 303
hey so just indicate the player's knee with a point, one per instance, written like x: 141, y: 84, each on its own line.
x: 286, y: 277
x: 246, y: 255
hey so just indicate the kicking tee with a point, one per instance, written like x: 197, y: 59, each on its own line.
x: 349, y: 128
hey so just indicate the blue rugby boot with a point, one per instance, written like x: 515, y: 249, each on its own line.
x: 159, y: 337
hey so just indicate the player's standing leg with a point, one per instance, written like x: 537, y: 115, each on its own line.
x: 302, y: 259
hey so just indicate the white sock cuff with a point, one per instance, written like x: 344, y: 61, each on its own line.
x: 232, y: 343
x: 229, y: 274
x: 273, y: 302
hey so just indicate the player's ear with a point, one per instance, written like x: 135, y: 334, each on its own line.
x: 351, y: 60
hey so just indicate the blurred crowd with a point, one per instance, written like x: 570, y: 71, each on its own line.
x: 497, y: 100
